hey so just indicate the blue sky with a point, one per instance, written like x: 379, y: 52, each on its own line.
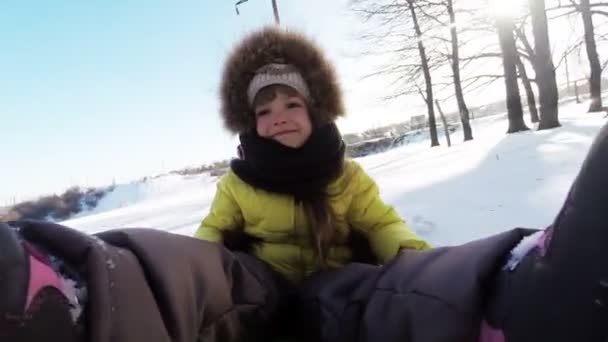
x: 97, y: 91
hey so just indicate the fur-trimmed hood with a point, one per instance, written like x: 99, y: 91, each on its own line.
x: 276, y: 45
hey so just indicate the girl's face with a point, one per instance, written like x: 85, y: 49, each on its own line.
x: 283, y: 117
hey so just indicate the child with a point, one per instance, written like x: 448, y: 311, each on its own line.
x: 292, y: 191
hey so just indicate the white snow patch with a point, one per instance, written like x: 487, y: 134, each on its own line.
x: 522, y: 249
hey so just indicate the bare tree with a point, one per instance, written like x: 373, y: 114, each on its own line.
x: 427, y: 75
x: 397, y: 32
x: 446, y: 128
x: 545, y: 70
x: 446, y: 8
x: 568, y: 81
x: 590, y: 37
x: 525, y: 53
x: 506, y: 37
x: 529, y: 91
x: 462, y: 106
x: 595, y: 79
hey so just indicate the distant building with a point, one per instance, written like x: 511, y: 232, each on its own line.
x: 418, y: 121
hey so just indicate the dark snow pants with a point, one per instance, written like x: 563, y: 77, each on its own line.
x: 436, y: 295
x: 146, y: 285
x: 149, y: 285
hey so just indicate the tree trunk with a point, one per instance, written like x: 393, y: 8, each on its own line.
x: 545, y: 70
x: 578, y: 100
x: 427, y: 76
x: 275, y: 9
x: 595, y: 81
x: 506, y: 40
x: 462, y: 106
x: 568, y: 82
x: 446, y: 129
x: 529, y: 91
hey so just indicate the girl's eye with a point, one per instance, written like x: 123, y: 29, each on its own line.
x: 262, y: 112
x: 293, y: 105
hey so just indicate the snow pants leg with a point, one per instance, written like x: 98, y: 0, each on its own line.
x: 149, y: 285
x: 421, y: 296
x: 559, y: 290
x: 34, y: 306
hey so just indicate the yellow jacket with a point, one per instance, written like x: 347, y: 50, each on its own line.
x: 283, y: 226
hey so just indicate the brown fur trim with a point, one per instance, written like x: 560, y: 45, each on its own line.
x: 275, y: 45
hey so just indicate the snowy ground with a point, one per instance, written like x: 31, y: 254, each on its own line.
x: 448, y: 195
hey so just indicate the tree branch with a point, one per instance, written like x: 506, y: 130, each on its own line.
x: 575, y: 4
x: 521, y: 35
x: 394, y: 69
x: 483, y: 84
x: 431, y: 17
x: 482, y: 55
x: 443, y: 39
x: 484, y: 76
x: 559, y: 7
x: 561, y: 15
x: 421, y: 92
x: 600, y: 13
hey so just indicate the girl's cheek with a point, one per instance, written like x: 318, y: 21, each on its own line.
x: 261, y: 125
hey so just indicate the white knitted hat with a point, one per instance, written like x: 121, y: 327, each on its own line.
x: 274, y: 73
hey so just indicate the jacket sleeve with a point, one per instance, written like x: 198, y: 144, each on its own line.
x: 224, y: 214
x: 386, y: 231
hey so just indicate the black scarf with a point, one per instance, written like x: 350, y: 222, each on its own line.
x: 304, y: 172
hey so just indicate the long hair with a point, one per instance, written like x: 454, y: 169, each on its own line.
x: 322, y: 226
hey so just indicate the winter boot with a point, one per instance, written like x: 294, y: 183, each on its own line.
x: 555, y: 286
x: 35, y: 302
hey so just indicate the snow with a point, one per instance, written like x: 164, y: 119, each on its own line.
x: 173, y: 202
x: 447, y: 195
x: 523, y: 248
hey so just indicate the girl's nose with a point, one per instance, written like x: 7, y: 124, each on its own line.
x: 279, y: 119
x: 280, y: 122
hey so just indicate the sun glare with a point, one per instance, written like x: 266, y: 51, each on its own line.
x: 506, y: 8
